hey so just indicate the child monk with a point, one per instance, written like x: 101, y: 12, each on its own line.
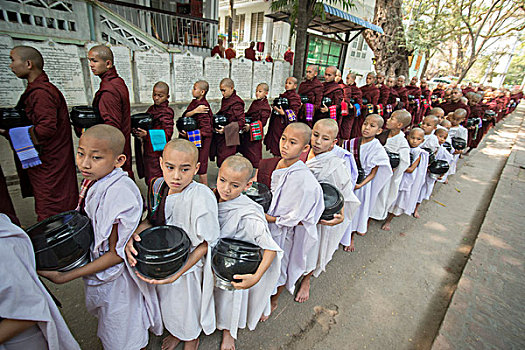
x: 429, y: 125
x: 352, y: 95
x: 186, y: 298
x: 457, y: 130
x: 200, y: 109
x: 232, y: 107
x: 146, y: 154
x: 328, y: 167
x: 442, y: 153
x: 259, y: 112
x: 113, y: 203
x: 26, y: 325
x: 438, y: 112
x: 372, y: 158
x: 412, y: 180
x: 54, y: 181
x: 297, y: 206
x: 111, y: 100
x: 332, y: 90
x: 281, y: 118
x: 242, y: 219
x: 395, y: 143
x: 446, y: 124
x: 312, y: 89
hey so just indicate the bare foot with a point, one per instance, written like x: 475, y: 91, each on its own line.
x: 416, y: 214
x: 192, y: 344
x: 273, y: 307
x: 350, y: 248
x: 386, y: 226
x: 228, y: 342
x: 170, y: 342
x: 304, y: 290
x: 446, y: 181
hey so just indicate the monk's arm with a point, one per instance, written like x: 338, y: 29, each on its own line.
x: 414, y: 165
x: 130, y: 250
x: 108, y: 259
x: 44, y: 115
x: 110, y: 111
x: 265, y: 115
x: 369, y: 178
x: 238, y: 112
x: 252, y: 279
x: 166, y: 120
x: 10, y: 328
x: 375, y: 97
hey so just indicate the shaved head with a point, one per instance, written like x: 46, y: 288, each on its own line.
x: 437, y: 111
x: 402, y: 116
x: 460, y: 113
x: 377, y: 118
x: 432, y: 118
x: 28, y: 53
x: 227, y: 82
x: 293, y: 79
x: 329, y: 124
x: 352, y: 75
x: 331, y: 69
x: 103, y: 52
x: 108, y: 133
x: 314, y: 67
x: 162, y: 86
x: 303, y: 129
x: 239, y: 164
x: 446, y: 123
x: 441, y: 131
x: 203, y: 85
x: 417, y: 131
x: 185, y: 146
x: 264, y: 86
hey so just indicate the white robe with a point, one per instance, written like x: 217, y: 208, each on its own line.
x: 387, y: 196
x: 410, y: 185
x: 297, y: 198
x: 461, y: 132
x: 428, y: 186
x: 187, y: 304
x: 329, y: 168
x: 24, y: 297
x: 116, y: 199
x: 349, y: 160
x: 243, y: 219
x: 371, y: 154
x: 444, y: 154
x: 431, y: 142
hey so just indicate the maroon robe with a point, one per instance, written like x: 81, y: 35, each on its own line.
x: 217, y: 50
x: 466, y: 90
x: 233, y: 109
x: 384, y: 93
x: 288, y: 56
x: 204, y: 122
x: 252, y: 150
x: 351, y: 93
x: 413, y: 105
x: 425, y: 96
x: 313, y: 89
x: 370, y: 93
x: 266, y: 168
x: 279, y: 122
x: 475, y: 136
x: 147, y: 160
x: 249, y: 53
x: 402, y: 93
x: 333, y: 91
x: 392, y: 98
x: 54, y: 182
x: 112, y: 103
x: 439, y: 93
x: 6, y: 204
x: 452, y: 106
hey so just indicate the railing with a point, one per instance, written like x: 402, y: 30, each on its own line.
x: 166, y: 26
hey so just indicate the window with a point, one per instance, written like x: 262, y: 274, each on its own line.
x: 359, y: 47
x: 238, y: 27
x: 256, y: 27
x: 323, y: 53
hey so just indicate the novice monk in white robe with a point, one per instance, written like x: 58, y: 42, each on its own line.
x: 443, y: 153
x: 297, y: 206
x: 457, y: 130
x: 125, y: 306
x: 412, y: 180
x: 376, y: 165
x: 429, y: 125
x: 186, y: 298
x: 395, y: 143
x: 29, y: 318
x: 242, y: 219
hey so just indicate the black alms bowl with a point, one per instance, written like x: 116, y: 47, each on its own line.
x: 304, y: 99
x: 162, y: 251
x: 473, y: 122
x: 438, y: 168
x: 13, y: 118
x: 360, y: 175
x: 327, y: 101
x: 260, y: 194
x: 233, y: 257
x: 459, y: 143
x: 431, y: 155
x: 333, y: 201
x: 187, y: 124
x: 365, y: 101
x: 142, y: 120
x: 219, y: 120
x: 489, y: 114
x: 281, y: 102
x: 447, y: 146
x: 62, y: 242
x: 394, y: 158
x: 84, y: 117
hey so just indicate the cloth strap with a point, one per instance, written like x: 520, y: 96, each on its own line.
x: 24, y: 147
x: 309, y: 112
x: 195, y: 137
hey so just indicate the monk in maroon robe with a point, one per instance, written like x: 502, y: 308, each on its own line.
x: 468, y: 89
x: 455, y: 103
x: 232, y: 107
x: 414, y: 100
x: 311, y: 88
x: 111, y: 100
x: 200, y: 110
x: 259, y: 111
x: 249, y: 53
x: 333, y: 91
x: 288, y: 56
x: 384, y: 91
x: 148, y: 165
x: 54, y: 181
x: 402, y: 90
x: 279, y: 119
x: 477, y: 110
x: 218, y: 49
x: 425, y: 96
x: 370, y: 96
x: 352, y: 96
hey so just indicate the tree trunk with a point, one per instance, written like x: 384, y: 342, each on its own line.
x: 390, y: 49
x: 230, y: 23
x: 428, y: 56
x: 300, y: 40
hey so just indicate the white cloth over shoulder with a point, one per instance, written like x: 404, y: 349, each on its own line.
x: 371, y: 155
x: 431, y: 142
x: 397, y: 144
x: 187, y: 304
x: 24, y: 297
x: 456, y: 131
x: 329, y: 168
x: 410, y: 185
x: 443, y: 154
x: 297, y: 198
x: 349, y: 160
x: 244, y: 220
x: 116, y: 199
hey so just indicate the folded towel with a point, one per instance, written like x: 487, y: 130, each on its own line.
x: 309, y: 112
x: 158, y: 139
x: 256, y: 131
x: 24, y: 147
x: 333, y: 112
x: 290, y: 115
x: 357, y: 109
x: 195, y: 137
x: 231, y: 134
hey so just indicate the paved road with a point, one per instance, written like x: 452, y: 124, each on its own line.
x: 392, y: 293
